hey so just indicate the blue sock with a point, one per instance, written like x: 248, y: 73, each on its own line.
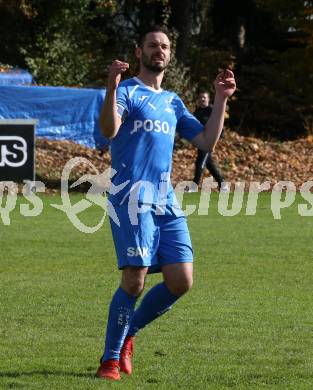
x: 120, y: 314
x: 156, y: 302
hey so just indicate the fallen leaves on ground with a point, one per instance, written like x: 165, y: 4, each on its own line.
x: 238, y: 158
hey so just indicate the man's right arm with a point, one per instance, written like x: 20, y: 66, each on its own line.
x: 110, y: 121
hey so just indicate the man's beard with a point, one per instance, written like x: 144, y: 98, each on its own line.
x: 156, y: 68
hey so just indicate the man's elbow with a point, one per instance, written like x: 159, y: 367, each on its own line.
x: 204, y: 147
x: 108, y: 130
x: 209, y: 149
x: 208, y: 143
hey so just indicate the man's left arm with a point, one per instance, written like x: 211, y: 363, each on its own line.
x: 225, y: 86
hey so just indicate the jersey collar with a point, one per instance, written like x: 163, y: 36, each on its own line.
x: 146, y: 86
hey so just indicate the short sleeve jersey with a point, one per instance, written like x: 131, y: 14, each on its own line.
x: 142, y: 150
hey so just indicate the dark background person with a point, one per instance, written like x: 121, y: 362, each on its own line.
x: 204, y: 159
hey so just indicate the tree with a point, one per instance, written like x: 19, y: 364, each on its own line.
x: 15, y: 24
x: 269, y: 44
x: 272, y: 76
x: 65, y: 48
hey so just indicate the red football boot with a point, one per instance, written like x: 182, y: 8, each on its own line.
x: 109, y: 370
x: 126, y: 355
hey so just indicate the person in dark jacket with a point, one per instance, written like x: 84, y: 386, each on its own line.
x: 204, y: 159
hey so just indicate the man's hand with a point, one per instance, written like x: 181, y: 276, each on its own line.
x: 109, y: 120
x: 115, y: 71
x: 225, y: 84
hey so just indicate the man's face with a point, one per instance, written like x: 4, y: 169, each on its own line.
x: 203, y: 100
x: 155, y: 53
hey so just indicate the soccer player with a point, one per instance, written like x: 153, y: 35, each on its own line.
x: 150, y: 232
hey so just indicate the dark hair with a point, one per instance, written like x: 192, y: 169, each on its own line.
x: 201, y: 91
x: 155, y: 28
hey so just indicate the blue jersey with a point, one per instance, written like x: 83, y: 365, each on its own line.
x: 143, y: 147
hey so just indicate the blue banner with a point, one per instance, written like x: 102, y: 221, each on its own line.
x: 62, y: 113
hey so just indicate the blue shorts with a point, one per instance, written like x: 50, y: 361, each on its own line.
x: 156, y: 240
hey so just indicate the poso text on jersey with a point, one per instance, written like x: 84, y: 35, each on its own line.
x: 153, y: 125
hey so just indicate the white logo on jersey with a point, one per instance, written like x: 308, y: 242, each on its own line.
x: 152, y: 106
x: 143, y: 252
x: 168, y: 102
x: 142, y: 98
x: 150, y: 125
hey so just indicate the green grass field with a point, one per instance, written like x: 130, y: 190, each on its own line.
x: 246, y: 324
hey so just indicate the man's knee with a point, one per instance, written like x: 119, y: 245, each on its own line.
x: 178, y: 277
x: 133, y: 280
x: 133, y: 287
x: 180, y: 287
